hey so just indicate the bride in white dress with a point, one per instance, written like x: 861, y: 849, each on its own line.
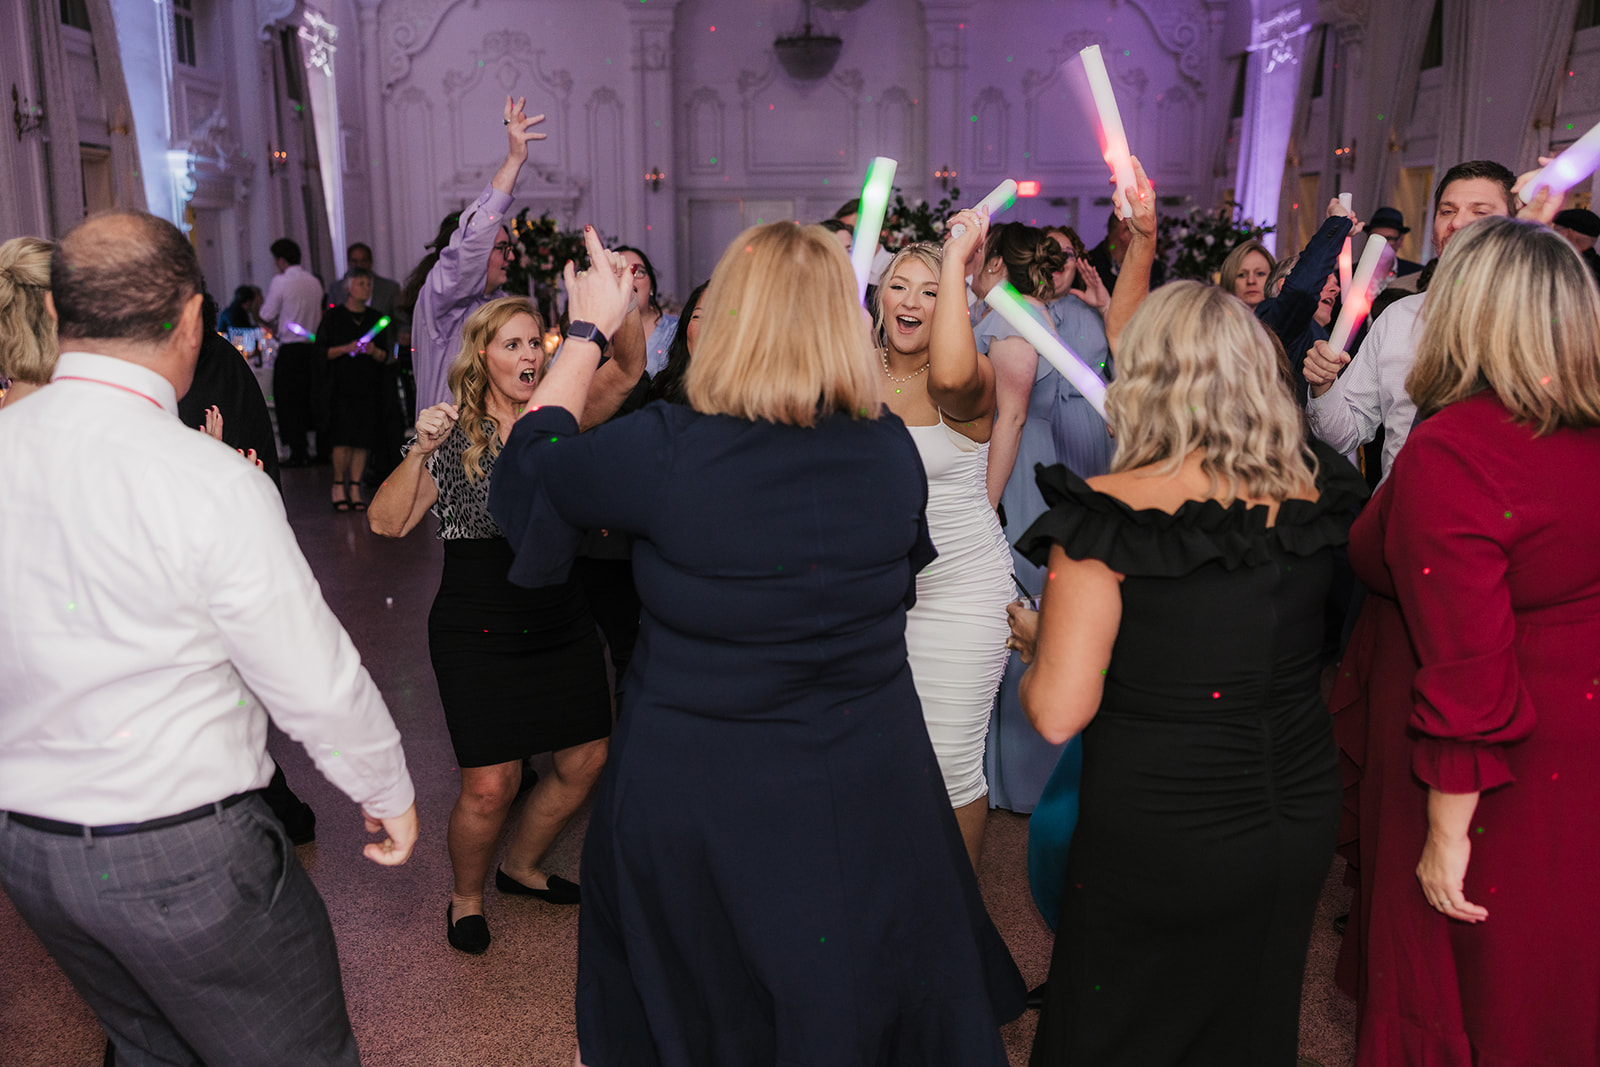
x: 943, y: 390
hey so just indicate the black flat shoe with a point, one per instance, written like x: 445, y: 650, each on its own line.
x: 561, y: 891
x: 471, y: 934
x: 1036, y: 996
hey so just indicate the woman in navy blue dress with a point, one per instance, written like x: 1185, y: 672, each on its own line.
x: 772, y: 872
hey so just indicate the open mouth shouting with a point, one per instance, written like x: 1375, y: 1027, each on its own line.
x: 907, y: 324
x: 530, y: 375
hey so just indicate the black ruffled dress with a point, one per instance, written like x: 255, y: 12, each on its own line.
x: 1211, y: 790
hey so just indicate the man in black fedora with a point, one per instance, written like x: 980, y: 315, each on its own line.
x: 1388, y: 223
x: 1580, y: 227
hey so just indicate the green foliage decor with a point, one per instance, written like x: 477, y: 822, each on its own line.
x: 1195, y: 244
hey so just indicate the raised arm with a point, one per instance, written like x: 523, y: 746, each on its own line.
x: 960, y: 379
x: 1133, y: 283
x: 1290, y: 312
x: 599, y: 295
x: 409, y: 491
x: 618, y: 376
x: 1015, y: 363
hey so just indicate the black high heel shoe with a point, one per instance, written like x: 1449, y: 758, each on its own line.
x: 470, y: 935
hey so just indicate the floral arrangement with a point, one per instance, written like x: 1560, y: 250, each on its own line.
x: 542, y: 249
x: 1195, y: 244
x: 907, y: 223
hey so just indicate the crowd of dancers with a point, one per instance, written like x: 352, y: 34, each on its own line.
x: 799, y: 533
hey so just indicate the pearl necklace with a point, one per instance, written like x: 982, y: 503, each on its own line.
x: 883, y: 354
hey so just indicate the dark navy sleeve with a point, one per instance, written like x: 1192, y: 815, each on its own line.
x: 551, y: 483
x: 1289, y: 313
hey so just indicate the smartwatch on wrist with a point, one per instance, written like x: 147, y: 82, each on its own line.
x: 586, y: 331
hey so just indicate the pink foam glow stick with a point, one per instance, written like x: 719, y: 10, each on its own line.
x: 1370, y: 274
x: 1113, y: 139
x: 1344, y: 256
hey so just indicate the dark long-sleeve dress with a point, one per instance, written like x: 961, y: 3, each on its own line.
x: 354, y: 379
x: 1210, y: 789
x: 1475, y: 666
x: 772, y: 872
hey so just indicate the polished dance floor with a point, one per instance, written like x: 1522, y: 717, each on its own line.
x: 413, y: 999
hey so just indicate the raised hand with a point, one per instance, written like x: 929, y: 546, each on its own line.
x: 519, y: 129
x: 600, y: 294
x: 1541, y: 207
x: 1322, y: 367
x: 434, y: 425
x: 1095, y: 293
x: 974, y: 231
x: 1336, y: 208
x: 1142, y: 216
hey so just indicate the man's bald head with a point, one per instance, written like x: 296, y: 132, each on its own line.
x: 122, y: 276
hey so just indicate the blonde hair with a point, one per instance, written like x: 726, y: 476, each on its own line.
x: 1195, y: 370
x: 469, y: 377
x: 1235, y: 263
x: 928, y: 254
x: 28, y: 346
x: 1513, y: 309
x: 783, y: 336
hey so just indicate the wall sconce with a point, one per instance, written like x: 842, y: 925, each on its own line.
x: 551, y: 341
x: 946, y: 175
x: 25, y: 119
x: 1345, y: 156
x: 655, y: 176
x: 277, y: 159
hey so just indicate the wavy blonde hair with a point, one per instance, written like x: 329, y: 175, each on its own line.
x: 1512, y: 309
x: 928, y: 254
x: 469, y: 376
x: 1195, y: 370
x: 1235, y: 263
x: 28, y: 345
x: 782, y: 336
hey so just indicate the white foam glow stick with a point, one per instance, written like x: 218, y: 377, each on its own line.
x: 1370, y: 274
x: 296, y: 328
x: 1008, y: 303
x: 1113, y: 139
x: 869, y: 219
x: 1004, y: 195
x: 1579, y: 160
x: 1344, y: 256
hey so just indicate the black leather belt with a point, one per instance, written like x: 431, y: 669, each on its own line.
x: 72, y: 829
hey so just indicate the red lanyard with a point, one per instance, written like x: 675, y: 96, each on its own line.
x: 114, y: 385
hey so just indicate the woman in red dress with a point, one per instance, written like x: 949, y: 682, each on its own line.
x: 1469, y: 704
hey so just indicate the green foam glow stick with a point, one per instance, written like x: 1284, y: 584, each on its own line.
x: 869, y: 219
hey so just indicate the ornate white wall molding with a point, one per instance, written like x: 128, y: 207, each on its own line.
x: 1182, y: 27
x: 506, y: 57
x: 813, y: 141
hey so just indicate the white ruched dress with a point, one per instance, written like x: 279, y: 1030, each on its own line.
x: 956, y: 633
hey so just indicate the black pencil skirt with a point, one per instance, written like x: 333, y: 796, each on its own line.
x: 520, y: 670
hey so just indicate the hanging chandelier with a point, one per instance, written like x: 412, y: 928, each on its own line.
x: 807, y: 56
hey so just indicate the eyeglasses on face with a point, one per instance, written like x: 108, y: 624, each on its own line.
x: 505, y: 250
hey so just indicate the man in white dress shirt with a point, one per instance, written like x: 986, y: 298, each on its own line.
x: 294, y: 308
x: 1345, y: 410
x: 155, y: 610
